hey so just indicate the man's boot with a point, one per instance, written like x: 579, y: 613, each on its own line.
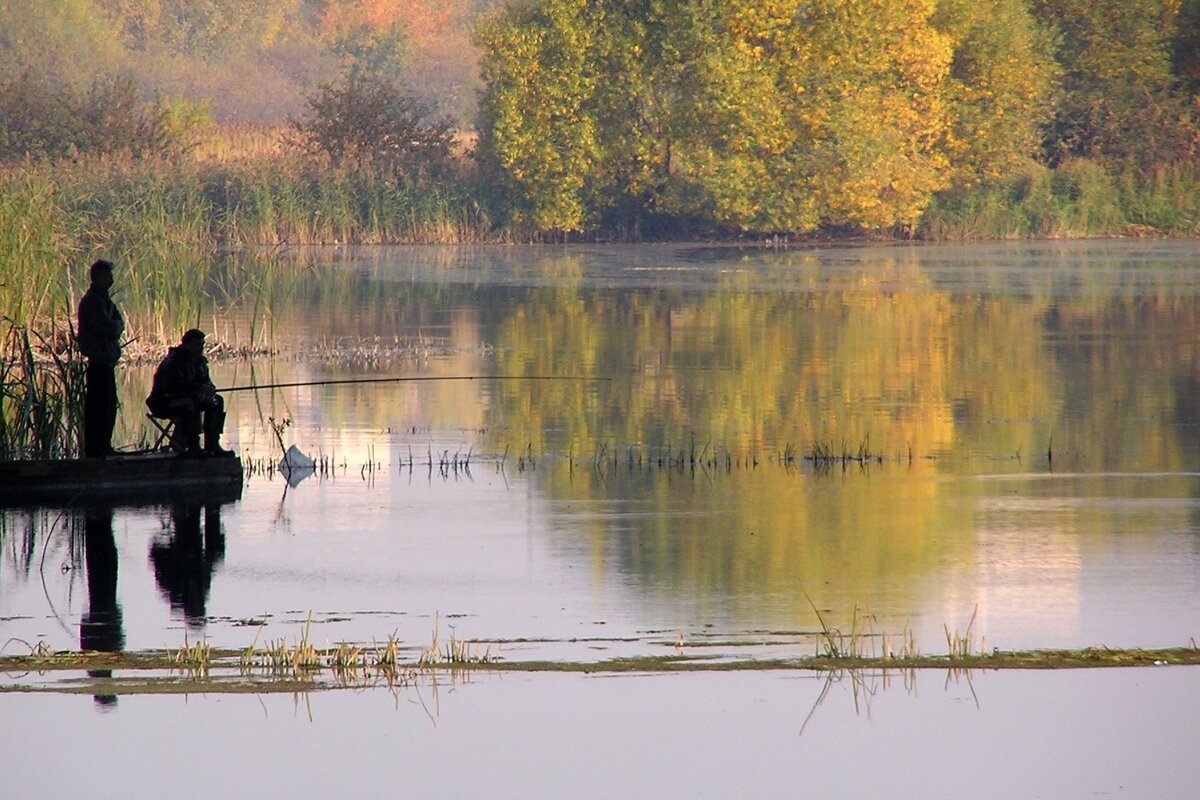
x: 214, y: 425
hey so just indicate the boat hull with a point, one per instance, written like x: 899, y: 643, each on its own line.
x: 144, y: 477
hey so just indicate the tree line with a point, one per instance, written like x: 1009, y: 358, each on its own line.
x: 656, y: 118
x: 246, y: 60
x: 790, y: 115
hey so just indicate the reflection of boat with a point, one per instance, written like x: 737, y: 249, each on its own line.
x: 142, y: 477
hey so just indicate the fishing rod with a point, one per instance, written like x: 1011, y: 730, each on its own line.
x: 411, y: 379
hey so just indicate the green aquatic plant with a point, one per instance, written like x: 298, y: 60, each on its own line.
x: 454, y: 653
x: 833, y: 642
x: 41, y: 393
x: 196, y: 658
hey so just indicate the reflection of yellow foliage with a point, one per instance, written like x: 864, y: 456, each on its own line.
x: 856, y: 346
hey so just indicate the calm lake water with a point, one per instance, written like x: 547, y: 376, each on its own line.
x: 1030, y: 420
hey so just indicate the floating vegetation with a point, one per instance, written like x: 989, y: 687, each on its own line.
x: 604, y: 463
x: 299, y: 665
x: 825, y: 454
x: 454, y: 653
x: 195, y: 659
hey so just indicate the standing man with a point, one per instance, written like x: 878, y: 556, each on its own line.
x: 99, y: 339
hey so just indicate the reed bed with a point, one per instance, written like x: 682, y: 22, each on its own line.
x: 352, y: 663
x: 1078, y: 199
x: 604, y: 463
x: 299, y: 666
x: 162, y: 222
x: 41, y: 395
x: 454, y: 653
x: 195, y: 659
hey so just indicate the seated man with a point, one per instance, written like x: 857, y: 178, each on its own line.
x: 183, y: 392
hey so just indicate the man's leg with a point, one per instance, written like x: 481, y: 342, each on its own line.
x: 110, y: 407
x: 187, y: 430
x: 99, y: 409
x: 214, y: 426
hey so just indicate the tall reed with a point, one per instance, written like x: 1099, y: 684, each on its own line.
x: 41, y: 395
x: 1080, y: 198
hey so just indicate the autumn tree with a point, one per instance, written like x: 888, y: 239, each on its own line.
x: 538, y: 132
x: 370, y: 120
x: 733, y: 158
x: 754, y: 116
x: 1122, y: 100
x: 65, y: 41
x: 1002, y: 86
x: 43, y: 118
x: 870, y: 97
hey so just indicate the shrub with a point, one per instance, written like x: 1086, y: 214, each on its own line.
x: 40, y: 118
x: 371, y: 120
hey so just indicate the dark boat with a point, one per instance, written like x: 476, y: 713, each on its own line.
x: 140, y: 476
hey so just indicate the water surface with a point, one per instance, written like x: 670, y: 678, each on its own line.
x: 1027, y: 417
x: 1074, y: 734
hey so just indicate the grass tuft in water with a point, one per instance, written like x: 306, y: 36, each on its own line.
x: 959, y: 645
x: 196, y: 658
x: 454, y: 653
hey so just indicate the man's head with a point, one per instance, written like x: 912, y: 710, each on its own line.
x: 193, y: 340
x: 101, y: 272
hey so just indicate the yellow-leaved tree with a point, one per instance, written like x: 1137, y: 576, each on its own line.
x: 753, y: 115
x: 537, y: 136
x: 869, y: 92
x: 1002, y: 86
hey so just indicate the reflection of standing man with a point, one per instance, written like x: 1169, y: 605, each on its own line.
x: 101, y: 629
x: 99, y: 339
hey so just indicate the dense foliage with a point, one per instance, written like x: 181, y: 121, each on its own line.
x: 367, y: 119
x: 42, y: 118
x: 789, y: 115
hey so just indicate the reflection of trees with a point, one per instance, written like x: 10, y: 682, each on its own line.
x: 878, y: 352
x: 1130, y: 367
x: 1100, y: 359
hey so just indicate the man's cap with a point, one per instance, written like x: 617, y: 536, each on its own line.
x: 193, y: 335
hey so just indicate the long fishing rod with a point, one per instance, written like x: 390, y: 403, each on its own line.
x: 411, y: 379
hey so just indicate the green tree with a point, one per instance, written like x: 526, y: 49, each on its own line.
x: 1002, y: 83
x: 755, y: 116
x: 735, y: 155
x: 538, y: 138
x: 367, y: 119
x: 1121, y: 98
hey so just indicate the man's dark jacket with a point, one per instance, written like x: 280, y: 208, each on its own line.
x: 100, y: 327
x: 178, y: 383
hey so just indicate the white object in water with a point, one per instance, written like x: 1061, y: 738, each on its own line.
x: 293, y: 459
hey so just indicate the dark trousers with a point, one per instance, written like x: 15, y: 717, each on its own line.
x: 99, y: 409
x: 209, y: 419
